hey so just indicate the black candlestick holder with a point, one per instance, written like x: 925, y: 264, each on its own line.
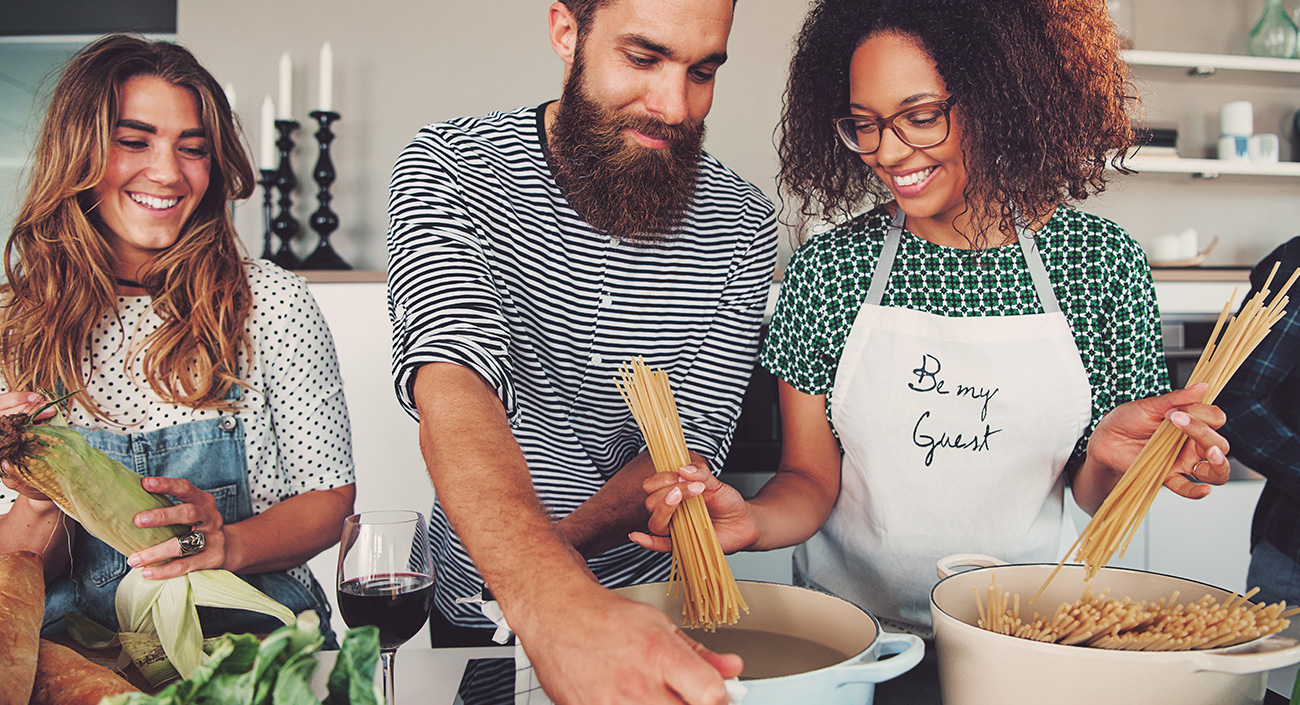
x: 266, y: 180
x: 324, y: 221
x: 284, y: 225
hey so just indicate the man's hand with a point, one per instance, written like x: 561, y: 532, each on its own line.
x: 603, y: 649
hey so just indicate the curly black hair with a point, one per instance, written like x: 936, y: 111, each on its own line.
x: 1044, y: 100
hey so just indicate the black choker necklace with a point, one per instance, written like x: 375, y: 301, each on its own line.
x: 128, y: 282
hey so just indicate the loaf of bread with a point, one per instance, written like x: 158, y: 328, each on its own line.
x: 65, y: 677
x: 22, y: 606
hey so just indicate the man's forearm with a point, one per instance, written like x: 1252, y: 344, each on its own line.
x: 618, y: 508
x: 482, y: 481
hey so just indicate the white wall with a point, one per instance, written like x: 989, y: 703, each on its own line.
x: 401, y: 64
x: 385, y: 443
x: 1250, y: 215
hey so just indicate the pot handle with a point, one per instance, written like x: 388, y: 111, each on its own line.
x: 946, y: 564
x: 1272, y: 652
x: 908, y: 649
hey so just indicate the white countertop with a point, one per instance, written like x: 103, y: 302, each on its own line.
x: 423, y: 675
x: 427, y: 676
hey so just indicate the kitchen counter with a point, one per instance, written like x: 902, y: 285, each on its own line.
x: 433, y: 676
x: 429, y: 676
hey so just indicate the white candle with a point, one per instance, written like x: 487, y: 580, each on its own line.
x: 286, y: 87
x: 229, y: 88
x: 268, y: 134
x: 326, y: 77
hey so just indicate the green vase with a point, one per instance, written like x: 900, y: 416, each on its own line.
x: 1276, y: 34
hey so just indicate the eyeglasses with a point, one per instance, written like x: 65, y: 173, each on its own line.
x: 919, y: 126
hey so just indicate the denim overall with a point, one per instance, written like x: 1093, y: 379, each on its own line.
x: 210, y: 454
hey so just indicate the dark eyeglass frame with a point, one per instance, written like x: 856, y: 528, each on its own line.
x: 888, y: 122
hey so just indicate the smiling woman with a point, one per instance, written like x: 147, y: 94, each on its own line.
x: 212, y: 376
x: 157, y: 172
x: 950, y: 359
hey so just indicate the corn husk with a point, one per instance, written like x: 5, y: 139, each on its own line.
x: 104, y: 496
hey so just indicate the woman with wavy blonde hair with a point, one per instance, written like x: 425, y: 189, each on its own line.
x: 211, y: 375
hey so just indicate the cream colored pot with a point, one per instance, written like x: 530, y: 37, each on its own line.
x: 800, y: 646
x: 978, y: 667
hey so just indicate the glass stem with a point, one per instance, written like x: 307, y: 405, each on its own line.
x: 390, y: 692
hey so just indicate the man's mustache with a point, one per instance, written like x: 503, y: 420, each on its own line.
x: 661, y: 130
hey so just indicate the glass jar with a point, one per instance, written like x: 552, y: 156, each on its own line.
x: 1276, y: 34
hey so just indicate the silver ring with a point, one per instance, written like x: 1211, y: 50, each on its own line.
x: 192, y: 543
x: 1197, y: 465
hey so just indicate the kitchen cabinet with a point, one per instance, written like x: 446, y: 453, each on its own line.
x: 1206, y: 539
x: 1250, y: 207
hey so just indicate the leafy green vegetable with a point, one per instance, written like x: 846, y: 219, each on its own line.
x: 241, y: 670
x: 352, y: 680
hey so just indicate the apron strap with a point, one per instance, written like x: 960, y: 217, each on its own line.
x: 1037, y: 271
x: 880, y: 275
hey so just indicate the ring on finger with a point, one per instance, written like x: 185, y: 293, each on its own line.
x: 1198, y: 464
x: 192, y: 543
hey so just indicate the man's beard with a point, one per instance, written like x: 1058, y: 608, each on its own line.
x: 625, y: 190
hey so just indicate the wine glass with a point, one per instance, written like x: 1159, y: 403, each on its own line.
x: 385, y: 579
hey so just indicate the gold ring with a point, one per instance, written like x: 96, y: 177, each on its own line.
x: 192, y: 543
x: 1197, y: 465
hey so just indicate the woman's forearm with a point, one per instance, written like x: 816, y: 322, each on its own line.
x: 789, y: 509
x: 289, y: 533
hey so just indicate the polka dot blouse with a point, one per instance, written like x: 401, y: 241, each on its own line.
x: 297, y: 433
x: 1098, y: 272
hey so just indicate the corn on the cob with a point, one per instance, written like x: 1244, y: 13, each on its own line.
x: 104, y: 496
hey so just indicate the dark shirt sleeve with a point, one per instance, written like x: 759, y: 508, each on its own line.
x: 1257, y: 426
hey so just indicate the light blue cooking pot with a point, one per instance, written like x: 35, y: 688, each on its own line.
x: 799, y: 645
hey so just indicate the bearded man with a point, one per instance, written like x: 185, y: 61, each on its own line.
x: 530, y: 254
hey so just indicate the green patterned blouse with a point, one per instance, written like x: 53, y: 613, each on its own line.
x: 1098, y: 272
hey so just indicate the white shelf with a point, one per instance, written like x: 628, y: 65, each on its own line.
x: 1207, y: 64
x: 1211, y: 168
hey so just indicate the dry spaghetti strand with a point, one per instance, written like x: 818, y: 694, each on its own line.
x: 1164, y: 625
x: 1232, y: 341
x: 710, y: 594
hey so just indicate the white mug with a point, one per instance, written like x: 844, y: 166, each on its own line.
x: 1233, y: 148
x: 1237, y: 118
x: 1264, y: 147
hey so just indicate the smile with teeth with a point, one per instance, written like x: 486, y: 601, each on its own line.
x: 914, y: 178
x: 154, y: 202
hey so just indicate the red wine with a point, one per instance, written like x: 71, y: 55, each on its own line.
x: 397, y: 603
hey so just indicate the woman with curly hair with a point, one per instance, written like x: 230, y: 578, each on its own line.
x: 211, y: 375
x: 950, y: 357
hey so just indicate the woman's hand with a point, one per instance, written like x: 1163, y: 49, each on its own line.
x: 732, y: 520
x: 22, y: 403
x: 13, y: 482
x: 1123, y: 433
x: 197, y: 511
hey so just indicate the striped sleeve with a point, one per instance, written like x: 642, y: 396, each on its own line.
x: 441, y: 298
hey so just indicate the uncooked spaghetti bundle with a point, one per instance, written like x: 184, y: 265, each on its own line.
x: 710, y: 595
x: 1164, y: 625
x: 1114, y: 525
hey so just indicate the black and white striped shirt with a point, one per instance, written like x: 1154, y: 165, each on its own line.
x: 490, y: 268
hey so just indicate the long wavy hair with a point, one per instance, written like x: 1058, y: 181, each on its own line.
x: 1044, y: 100
x: 60, y: 267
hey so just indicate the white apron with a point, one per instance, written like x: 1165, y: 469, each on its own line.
x: 955, y: 432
